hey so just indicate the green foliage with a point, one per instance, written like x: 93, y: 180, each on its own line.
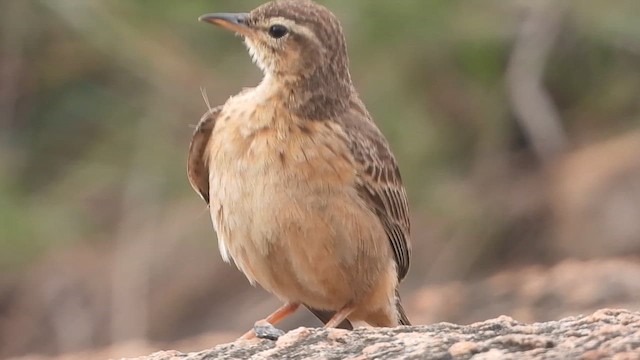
x: 106, y: 91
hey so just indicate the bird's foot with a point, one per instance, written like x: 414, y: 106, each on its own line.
x: 264, y: 330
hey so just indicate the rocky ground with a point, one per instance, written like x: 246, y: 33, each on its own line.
x: 605, y: 334
x: 529, y: 294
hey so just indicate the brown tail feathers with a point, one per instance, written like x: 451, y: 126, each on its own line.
x: 402, y: 316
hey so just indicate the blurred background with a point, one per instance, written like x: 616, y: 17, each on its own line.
x: 516, y: 125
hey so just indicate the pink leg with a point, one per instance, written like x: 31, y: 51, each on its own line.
x: 339, y: 317
x: 275, y: 317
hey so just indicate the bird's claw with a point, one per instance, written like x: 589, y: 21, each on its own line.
x: 265, y: 330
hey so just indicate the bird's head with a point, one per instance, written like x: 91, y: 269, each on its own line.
x: 292, y: 39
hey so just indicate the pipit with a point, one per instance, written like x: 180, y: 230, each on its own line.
x: 304, y: 192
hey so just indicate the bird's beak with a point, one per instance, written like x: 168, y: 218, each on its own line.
x: 236, y: 22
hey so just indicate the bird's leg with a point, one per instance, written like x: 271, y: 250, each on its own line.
x: 339, y: 316
x: 275, y: 317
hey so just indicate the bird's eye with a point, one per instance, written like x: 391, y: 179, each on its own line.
x: 277, y: 31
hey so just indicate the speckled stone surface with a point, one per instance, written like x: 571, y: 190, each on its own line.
x: 606, y: 334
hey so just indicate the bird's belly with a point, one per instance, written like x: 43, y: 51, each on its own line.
x: 298, y: 228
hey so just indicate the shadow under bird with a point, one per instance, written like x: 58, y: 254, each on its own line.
x: 304, y: 192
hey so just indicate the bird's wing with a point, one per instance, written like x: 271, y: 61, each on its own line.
x: 378, y: 181
x: 197, y: 166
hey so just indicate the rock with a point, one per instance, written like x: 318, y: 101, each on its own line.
x: 604, y: 334
x: 532, y: 293
x: 595, y: 199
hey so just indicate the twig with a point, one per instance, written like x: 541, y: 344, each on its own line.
x: 533, y: 106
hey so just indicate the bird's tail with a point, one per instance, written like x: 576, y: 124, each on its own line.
x: 402, y: 316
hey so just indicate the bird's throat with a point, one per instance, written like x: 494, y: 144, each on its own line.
x: 311, y: 97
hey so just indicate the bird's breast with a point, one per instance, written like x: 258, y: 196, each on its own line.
x: 269, y: 173
x: 285, y: 207
x: 264, y: 144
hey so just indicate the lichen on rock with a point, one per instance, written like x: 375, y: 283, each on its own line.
x: 604, y: 334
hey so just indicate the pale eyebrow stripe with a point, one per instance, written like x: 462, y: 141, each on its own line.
x: 294, y: 27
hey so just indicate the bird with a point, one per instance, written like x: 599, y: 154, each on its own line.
x: 304, y: 193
